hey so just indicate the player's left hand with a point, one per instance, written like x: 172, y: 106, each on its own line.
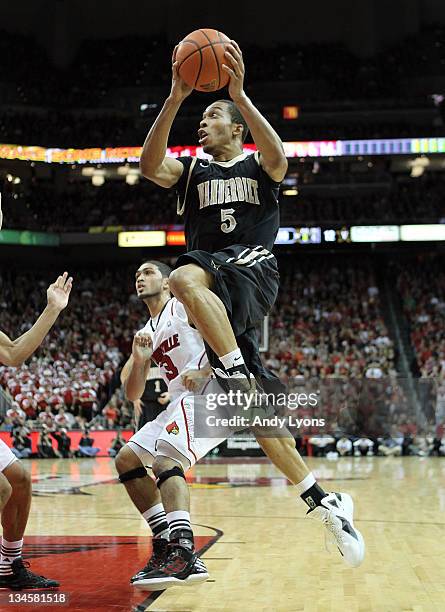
x: 59, y: 292
x: 192, y: 379
x: 235, y: 68
x: 164, y: 398
x: 179, y: 90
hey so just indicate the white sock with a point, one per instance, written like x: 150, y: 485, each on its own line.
x: 10, y: 551
x: 179, y: 519
x: 157, y: 521
x: 232, y: 359
x: 305, y: 484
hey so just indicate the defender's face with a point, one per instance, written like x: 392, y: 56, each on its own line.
x: 148, y: 281
x: 215, y: 128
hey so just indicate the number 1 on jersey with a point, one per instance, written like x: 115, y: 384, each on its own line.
x: 228, y: 221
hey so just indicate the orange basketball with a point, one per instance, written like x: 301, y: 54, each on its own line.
x: 201, y: 55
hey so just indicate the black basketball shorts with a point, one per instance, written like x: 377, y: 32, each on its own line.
x: 246, y: 279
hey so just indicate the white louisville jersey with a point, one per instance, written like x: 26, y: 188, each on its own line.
x: 177, y: 347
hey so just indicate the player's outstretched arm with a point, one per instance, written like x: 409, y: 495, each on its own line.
x: 135, y: 371
x: 154, y: 165
x: 15, y: 352
x: 269, y: 144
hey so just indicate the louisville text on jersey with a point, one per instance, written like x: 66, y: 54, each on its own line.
x: 167, y: 345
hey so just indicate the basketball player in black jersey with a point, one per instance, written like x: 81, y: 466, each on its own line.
x: 228, y: 280
x: 154, y: 399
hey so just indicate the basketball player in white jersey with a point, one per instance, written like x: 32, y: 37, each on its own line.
x: 15, y: 481
x: 167, y: 445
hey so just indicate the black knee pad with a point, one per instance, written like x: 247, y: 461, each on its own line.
x: 138, y: 472
x: 163, y: 476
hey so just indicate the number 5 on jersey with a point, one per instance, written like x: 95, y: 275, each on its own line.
x: 228, y: 221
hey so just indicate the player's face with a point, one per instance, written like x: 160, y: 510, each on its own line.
x: 148, y: 281
x: 216, y: 128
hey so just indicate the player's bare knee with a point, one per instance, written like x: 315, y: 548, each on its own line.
x: 162, y: 464
x: 126, y: 460
x: 25, y: 480
x: 18, y: 478
x: 5, y: 491
x: 184, y: 281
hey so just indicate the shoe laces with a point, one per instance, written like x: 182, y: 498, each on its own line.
x: 333, y: 535
x: 176, y: 557
x: 158, y: 555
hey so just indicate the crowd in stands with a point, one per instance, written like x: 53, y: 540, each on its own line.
x: 37, y: 205
x: 409, y: 200
x: 71, y: 381
x: 134, y: 61
x: 328, y: 336
x: 65, y: 129
x: 328, y: 321
x: 422, y: 289
x: 41, y: 206
x: 393, y: 444
x: 47, y: 105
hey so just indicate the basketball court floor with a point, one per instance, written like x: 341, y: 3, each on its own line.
x: 262, y: 552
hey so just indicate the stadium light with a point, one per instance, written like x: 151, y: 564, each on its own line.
x: 418, y: 166
x: 123, y: 170
x: 98, y: 178
x: 88, y: 171
x: 132, y: 178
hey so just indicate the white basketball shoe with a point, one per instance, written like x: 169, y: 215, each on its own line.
x: 336, y: 512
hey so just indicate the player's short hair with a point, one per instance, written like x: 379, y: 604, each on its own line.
x: 163, y: 268
x: 237, y: 117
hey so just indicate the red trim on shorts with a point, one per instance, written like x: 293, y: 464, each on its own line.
x: 202, y: 357
x: 206, y: 385
x: 187, y: 430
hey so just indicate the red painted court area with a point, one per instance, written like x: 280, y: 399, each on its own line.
x: 94, y: 571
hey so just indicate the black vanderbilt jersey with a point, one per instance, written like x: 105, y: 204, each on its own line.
x: 227, y: 203
x: 154, y: 386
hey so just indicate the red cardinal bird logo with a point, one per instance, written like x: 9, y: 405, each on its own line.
x: 172, y: 428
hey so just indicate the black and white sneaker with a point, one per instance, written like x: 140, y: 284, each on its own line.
x: 22, y: 578
x: 199, y: 572
x: 336, y: 512
x: 181, y: 568
x: 157, y: 559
